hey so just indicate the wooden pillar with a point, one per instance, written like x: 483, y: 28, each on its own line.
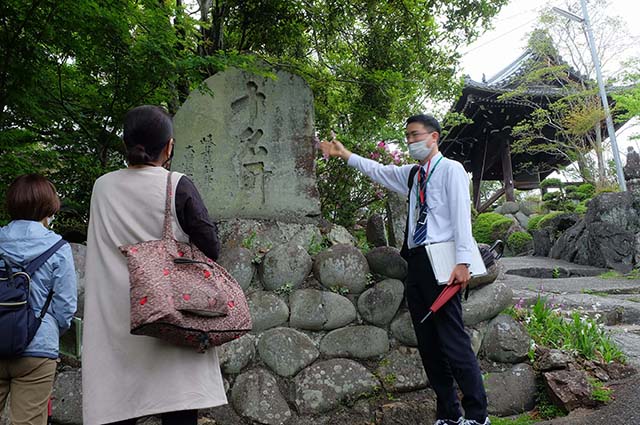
x: 476, y: 185
x: 507, y: 171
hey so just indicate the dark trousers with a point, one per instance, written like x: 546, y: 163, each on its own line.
x: 444, y: 345
x: 182, y: 417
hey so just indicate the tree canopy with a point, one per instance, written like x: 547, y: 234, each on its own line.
x: 70, y: 69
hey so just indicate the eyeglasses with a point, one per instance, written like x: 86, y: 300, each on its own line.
x: 415, y: 134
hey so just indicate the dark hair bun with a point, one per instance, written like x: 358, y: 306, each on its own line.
x: 138, y: 155
x: 147, y: 130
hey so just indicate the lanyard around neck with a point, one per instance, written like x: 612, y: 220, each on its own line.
x: 422, y: 196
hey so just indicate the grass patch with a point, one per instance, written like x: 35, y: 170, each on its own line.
x: 569, y: 331
x: 524, y: 419
x: 612, y: 274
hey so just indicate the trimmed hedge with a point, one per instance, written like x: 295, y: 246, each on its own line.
x: 534, y: 222
x: 519, y: 242
x: 488, y: 227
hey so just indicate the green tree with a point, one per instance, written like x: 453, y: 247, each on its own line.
x: 70, y: 69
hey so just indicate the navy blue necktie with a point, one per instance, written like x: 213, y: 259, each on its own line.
x: 420, y: 233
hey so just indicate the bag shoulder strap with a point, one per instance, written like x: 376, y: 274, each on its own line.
x: 412, y: 175
x: 42, y: 258
x: 167, y: 230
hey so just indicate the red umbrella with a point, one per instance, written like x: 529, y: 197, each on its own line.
x: 447, y: 293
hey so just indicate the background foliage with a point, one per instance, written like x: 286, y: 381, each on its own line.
x: 70, y: 69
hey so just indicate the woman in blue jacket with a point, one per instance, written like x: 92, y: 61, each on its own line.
x: 31, y: 202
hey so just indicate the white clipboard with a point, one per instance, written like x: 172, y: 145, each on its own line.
x: 442, y: 257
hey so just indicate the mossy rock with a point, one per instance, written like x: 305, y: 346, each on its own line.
x: 520, y: 242
x: 490, y: 227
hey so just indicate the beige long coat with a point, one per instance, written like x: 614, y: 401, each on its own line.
x: 123, y: 375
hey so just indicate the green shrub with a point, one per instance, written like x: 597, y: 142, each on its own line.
x: 581, y: 208
x: 545, y: 218
x: 587, y: 189
x: 550, y: 183
x: 534, y: 222
x: 519, y: 242
x: 489, y: 227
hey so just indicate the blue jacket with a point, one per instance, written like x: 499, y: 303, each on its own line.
x: 24, y: 240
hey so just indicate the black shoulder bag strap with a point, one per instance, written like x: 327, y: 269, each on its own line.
x: 37, y: 263
x: 404, y: 252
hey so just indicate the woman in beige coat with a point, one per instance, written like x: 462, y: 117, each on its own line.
x: 125, y: 376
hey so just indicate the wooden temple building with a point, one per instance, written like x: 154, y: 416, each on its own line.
x: 484, y: 146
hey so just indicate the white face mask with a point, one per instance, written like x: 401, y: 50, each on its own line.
x: 420, y: 150
x: 50, y: 220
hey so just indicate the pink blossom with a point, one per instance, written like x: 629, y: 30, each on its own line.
x: 374, y: 155
x: 382, y: 144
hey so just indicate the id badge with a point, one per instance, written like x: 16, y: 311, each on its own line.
x: 422, y: 219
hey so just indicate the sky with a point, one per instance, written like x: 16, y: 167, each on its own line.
x: 500, y: 46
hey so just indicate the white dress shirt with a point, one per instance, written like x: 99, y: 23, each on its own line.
x: 448, y: 201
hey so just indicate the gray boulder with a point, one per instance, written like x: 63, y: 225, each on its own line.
x: 285, y: 265
x: 79, y: 253
x: 522, y: 218
x: 506, y: 340
x: 67, y: 397
x: 553, y: 359
x: 267, y: 310
x: 375, y: 231
x: 342, y: 266
x: 320, y: 310
x: 236, y: 354
x: 416, y: 410
x: 379, y: 304
x: 486, y: 302
x: 256, y: 396
x: 386, y: 261
x: 338, y: 235
x: 396, y: 218
x: 402, y: 370
x: 355, y: 342
x: 542, y: 242
x: 510, y: 207
x: 511, y: 392
x: 325, y: 385
x: 402, y: 329
x: 238, y: 262
x: 286, y: 351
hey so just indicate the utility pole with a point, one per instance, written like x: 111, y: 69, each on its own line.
x: 603, y: 95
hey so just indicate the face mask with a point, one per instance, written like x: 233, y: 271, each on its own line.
x: 167, y: 164
x: 50, y: 220
x: 420, y: 150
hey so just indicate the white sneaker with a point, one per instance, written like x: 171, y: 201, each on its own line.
x: 472, y: 422
x: 460, y: 421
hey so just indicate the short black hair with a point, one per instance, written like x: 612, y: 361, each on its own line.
x: 147, y: 130
x: 427, y: 120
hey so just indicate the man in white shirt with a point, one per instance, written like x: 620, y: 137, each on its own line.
x: 439, y: 211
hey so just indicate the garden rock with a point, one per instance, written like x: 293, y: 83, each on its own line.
x: 67, y: 397
x: 355, y: 342
x: 542, y: 242
x: 418, y: 410
x: 236, y: 354
x: 286, y: 351
x: 522, y: 218
x: 396, y: 218
x: 238, y: 262
x: 375, y: 231
x: 632, y: 167
x: 511, y: 392
x: 486, y: 302
x: 569, y: 389
x: 510, y: 207
x: 378, y: 305
x: 386, y: 261
x: 324, y: 385
x: 342, y: 266
x: 267, y: 310
x: 506, y: 340
x: 339, y: 235
x: 402, y: 329
x: 256, y: 396
x: 79, y: 253
x: 552, y: 359
x: 402, y: 370
x: 320, y: 310
x: 285, y: 265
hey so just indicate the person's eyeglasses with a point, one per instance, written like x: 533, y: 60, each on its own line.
x: 415, y: 134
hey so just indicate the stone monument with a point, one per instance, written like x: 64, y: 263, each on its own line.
x: 247, y: 143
